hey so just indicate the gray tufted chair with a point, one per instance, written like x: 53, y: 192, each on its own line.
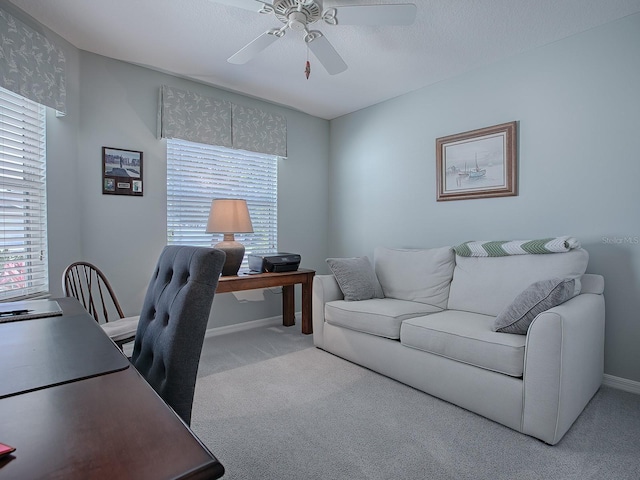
x: 173, y: 322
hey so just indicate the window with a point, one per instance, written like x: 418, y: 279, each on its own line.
x: 23, y: 199
x: 198, y: 173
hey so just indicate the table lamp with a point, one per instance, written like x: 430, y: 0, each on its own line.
x: 230, y: 216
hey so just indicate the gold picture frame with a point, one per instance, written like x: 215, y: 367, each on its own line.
x: 477, y: 164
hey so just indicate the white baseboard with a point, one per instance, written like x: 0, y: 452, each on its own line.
x: 238, y: 327
x: 621, y: 384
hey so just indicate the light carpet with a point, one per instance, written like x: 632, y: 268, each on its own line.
x: 271, y: 406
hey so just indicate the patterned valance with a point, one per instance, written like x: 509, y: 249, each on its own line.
x: 198, y: 118
x: 194, y: 117
x: 31, y: 65
x: 259, y: 131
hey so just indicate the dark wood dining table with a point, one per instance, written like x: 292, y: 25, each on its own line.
x: 75, y: 408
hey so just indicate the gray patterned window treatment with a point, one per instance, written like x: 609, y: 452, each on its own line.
x: 259, y: 131
x: 31, y: 65
x: 194, y: 117
x: 198, y: 118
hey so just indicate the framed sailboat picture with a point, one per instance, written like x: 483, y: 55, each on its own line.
x: 477, y: 164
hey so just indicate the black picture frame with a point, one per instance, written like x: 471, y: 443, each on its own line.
x: 122, y: 172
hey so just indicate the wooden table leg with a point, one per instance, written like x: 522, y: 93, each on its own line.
x: 288, y: 306
x: 307, y: 324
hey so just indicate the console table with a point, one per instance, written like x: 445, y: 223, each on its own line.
x: 286, y: 280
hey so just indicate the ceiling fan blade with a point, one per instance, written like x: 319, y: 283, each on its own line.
x: 325, y: 53
x: 253, y: 5
x: 253, y: 48
x: 396, y: 14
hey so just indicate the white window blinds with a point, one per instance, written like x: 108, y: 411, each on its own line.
x: 198, y: 173
x: 23, y: 206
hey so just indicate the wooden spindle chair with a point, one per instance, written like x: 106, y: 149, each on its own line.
x: 87, y: 284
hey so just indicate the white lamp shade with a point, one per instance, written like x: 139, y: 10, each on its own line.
x: 229, y: 216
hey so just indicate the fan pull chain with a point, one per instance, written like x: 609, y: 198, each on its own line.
x: 307, y: 68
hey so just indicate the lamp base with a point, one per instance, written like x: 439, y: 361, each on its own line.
x: 235, y: 253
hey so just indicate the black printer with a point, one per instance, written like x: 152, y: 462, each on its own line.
x: 274, y: 262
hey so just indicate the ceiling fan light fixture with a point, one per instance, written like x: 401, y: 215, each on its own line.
x: 283, y: 9
x: 297, y: 21
x: 298, y: 15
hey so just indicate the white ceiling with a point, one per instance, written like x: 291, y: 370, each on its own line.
x: 193, y: 38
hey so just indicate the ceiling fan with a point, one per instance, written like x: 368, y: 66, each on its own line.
x: 298, y: 15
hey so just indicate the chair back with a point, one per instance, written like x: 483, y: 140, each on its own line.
x: 86, y: 282
x: 173, y: 322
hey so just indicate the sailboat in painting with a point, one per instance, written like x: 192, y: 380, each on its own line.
x: 477, y: 172
x: 463, y: 173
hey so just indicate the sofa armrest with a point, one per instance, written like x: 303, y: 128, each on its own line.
x: 592, y: 283
x: 563, y: 366
x: 325, y: 289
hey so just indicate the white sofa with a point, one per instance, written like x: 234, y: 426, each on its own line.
x: 433, y: 330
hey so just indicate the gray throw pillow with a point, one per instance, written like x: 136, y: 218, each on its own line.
x: 356, y: 278
x: 535, y: 299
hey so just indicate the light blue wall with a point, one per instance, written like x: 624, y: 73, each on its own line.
x: 116, y: 107
x: 368, y: 178
x: 112, y: 103
x: 577, y: 103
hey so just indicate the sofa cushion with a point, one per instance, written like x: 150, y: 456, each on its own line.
x: 378, y: 316
x: 417, y: 275
x: 466, y: 337
x: 535, y: 299
x: 487, y: 285
x: 356, y: 278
